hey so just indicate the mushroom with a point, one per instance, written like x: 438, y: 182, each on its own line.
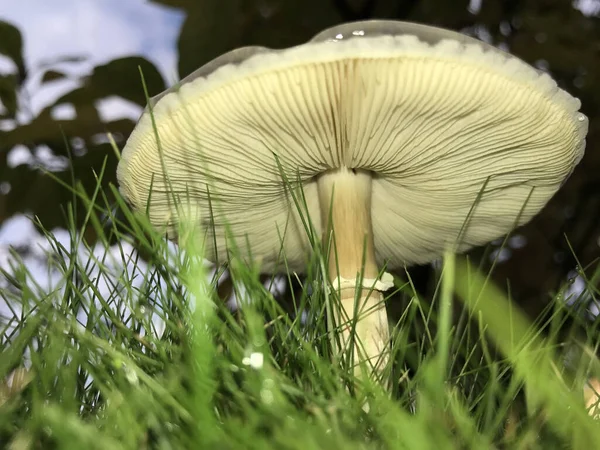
x: 405, y: 139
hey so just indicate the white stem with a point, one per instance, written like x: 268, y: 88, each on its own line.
x: 345, y: 199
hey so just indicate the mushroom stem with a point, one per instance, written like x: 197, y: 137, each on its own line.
x: 345, y: 199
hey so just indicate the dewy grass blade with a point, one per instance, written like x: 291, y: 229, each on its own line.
x: 445, y: 316
x: 532, y: 357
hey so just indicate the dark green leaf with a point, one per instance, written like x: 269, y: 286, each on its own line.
x: 52, y: 75
x: 70, y: 59
x: 121, y: 78
x: 173, y: 3
x: 11, y: 45
x: 207, y: 32
x: 8, y: 94
x: 46, y: 130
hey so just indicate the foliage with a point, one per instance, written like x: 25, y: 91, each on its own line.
x: 553, y: 34
x: 134, y: 348
x: 31, y: 190
x: 126, y: 353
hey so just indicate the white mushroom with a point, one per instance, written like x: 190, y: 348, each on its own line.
x: 393, y: 130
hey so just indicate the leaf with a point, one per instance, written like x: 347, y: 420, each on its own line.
x: 8, y: 94
x: 207, y: 33
x: 83, y: 99
x: 11, y: 45
x: 46, y: 130
x: 172, y: 3
x: 40, y: 195
x: 70, y: 59
x: 53, y: 75
x: 121, y: 77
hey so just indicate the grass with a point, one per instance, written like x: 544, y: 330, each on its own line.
x: 134, y: 349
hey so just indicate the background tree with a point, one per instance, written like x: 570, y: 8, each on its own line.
x: 555, y: 35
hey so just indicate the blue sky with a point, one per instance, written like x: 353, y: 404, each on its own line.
x: 101, y: 30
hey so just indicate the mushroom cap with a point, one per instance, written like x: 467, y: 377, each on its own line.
x: 464, y: 142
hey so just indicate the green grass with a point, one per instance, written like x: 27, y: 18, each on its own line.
x: 135, y: 350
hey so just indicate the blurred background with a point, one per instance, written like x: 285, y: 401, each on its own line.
x: 69, y: 74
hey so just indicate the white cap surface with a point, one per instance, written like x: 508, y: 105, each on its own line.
x: 437, y: 117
